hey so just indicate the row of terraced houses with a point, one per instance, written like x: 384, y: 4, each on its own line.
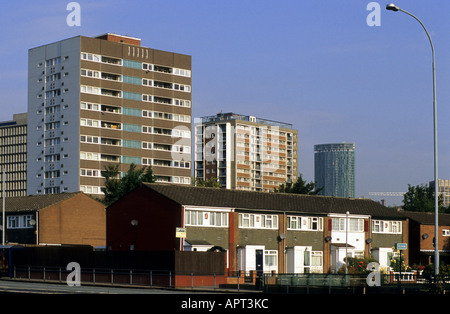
x: 258, y: 231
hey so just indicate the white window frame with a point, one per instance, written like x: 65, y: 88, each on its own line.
x: 205, y: 218
x: 339, y: 224
x: 386, y: 226
x: 270, y: 261
x: 19, y: 222
x: 258, y: 221
x: 302, y: 223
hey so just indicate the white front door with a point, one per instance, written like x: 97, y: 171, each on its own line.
x: 249, y: 258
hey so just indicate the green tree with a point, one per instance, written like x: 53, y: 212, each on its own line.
x: 299, y: 187
x: 211, y: 182
x: 117, y: 186
x: 420, y: 198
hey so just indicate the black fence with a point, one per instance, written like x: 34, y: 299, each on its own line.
x: 391, y: 283
x: 58, y: 257
x: 100, y: 276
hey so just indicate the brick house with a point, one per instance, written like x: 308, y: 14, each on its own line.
x: 67, y: 218
x: 421, y: 237
x: 259, y: 231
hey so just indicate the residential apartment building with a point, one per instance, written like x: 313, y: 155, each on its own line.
x: 106, y: 100
x: 444, y: 191
x: 265, y: 232
x: 246, y: 152
x: 13, y: 154
x: 334, y: 169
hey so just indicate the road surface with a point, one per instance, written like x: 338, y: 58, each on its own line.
x: 12, y: 286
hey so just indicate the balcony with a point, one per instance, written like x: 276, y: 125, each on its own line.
x: 111, y: 125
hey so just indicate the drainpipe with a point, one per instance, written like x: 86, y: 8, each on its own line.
x: 37, y: 227
x: 182, y: 226
x: 284, y: 243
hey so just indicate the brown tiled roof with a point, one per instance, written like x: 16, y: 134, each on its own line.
x: 427, y: 218
x: 33, y: 202
x: 246, y: 200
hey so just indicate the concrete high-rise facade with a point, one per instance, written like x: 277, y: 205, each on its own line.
x: 444, y: 190
x: 245, y: 152
x: 106, y: 100
x: 13, y: 155
x: 334, y: 169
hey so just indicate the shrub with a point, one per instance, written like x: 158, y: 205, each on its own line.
x: 357, y: 265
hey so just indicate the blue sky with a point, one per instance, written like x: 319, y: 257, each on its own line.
x: 315, y: 64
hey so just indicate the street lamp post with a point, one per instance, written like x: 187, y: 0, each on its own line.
x: 346, y: 242
x: 393, y: 7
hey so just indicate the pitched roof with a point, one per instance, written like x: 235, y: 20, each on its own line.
x: 427, y: 218
x: 201, y: 196
x: 33, y: 202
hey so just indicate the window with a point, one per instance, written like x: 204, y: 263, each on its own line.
x: 89, y: 122
x: 90, y: 173
x: 147, y: 97
x: 89, y: 156
x: 89, y: 139
x: 258, y: 221
x: 316, y: 259
x: 354, y: 224
x: 90, y: 90
x: 146, y: 161
x: 147, y: 82
x: 338, y: 224
x: 270, y: 260
x: 384, y: 226
x: 90, y: 73
x: 184, y: 88
x: 146, y: 66
x: 181, y: 133
x: 90, y: 189
x: 182, y: 103
x: 181, y: 118
x: 206, y: 218
x: 181, y: 180
x: 90, y: 57
x: 19, y: 222
x: 182, y: 72
x: 305, y: 223
x: 446, y: 232
x: 182, y: 164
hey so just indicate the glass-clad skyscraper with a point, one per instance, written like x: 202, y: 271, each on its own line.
x: 334, y: 169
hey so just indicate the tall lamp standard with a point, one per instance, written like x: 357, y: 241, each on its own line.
x: 393, y: 7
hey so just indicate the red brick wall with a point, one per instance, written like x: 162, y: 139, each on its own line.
x: 77, y: 220
x: 157, y: 219
x: 121, y: 39
x: 427, y: 244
